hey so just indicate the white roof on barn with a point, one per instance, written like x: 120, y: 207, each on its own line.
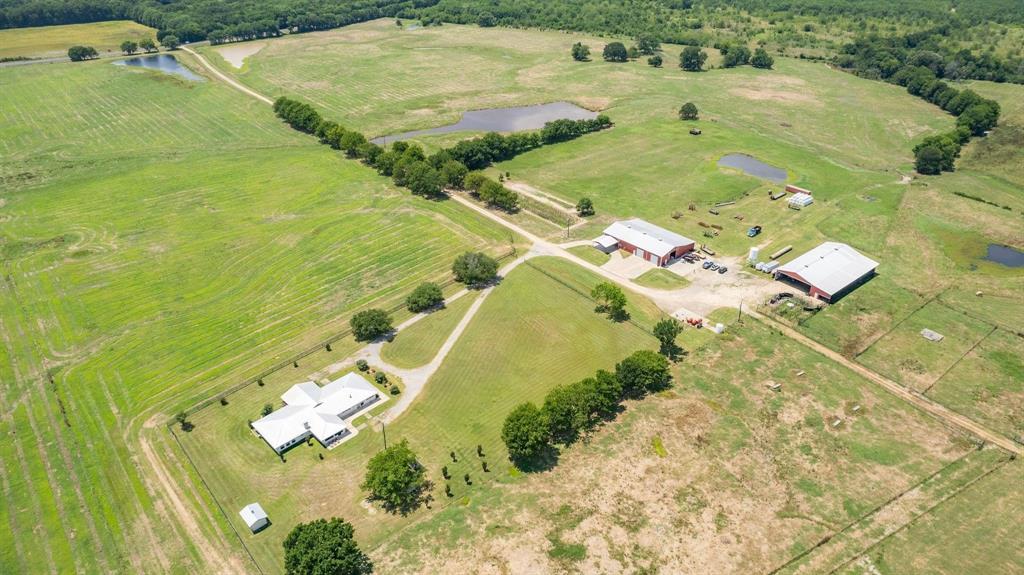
x: 253, y: 514
x: 606, y: 241
x: 830, y: 267
x: 314, y: 409
x: 647, y: 236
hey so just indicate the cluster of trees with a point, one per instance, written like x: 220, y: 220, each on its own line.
x: 975, y: 116
x: 491, y: 193
x: 130, y: 47
x: 733, y: 56
x: 426, y: 296
x: 479, y: 153
x: 245, y: 31
x: 692, y: 59
x: 79, y: 53
x: 882, y: 57
x: 572, y: 410
x: 611, y: 300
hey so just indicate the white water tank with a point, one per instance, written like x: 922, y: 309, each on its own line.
x: 754, y: 252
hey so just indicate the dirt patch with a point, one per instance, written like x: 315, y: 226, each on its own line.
x: 594, y: 103
x: 235, y: 54
x: 765, y: 94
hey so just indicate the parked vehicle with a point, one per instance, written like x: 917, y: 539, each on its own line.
x: 707, y: 264
x: 753, y: 231
x: 713, y: 266
x: 723, y: 269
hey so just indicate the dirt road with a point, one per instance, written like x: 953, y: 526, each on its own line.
x: 225, y: 78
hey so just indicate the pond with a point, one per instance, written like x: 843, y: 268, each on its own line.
x: 754, y: 167
x: 502, y: 120
x: 1005, y: 255
x: 162, y: 62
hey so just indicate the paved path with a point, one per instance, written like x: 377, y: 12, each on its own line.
x: 227, y: 79
x: 925, y: 404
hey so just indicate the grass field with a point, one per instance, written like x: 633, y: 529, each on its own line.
x: 419, y: 343
x: 162, y: 240
x: 51, y: 41
x: 462, y: 406
x: 661, y: 278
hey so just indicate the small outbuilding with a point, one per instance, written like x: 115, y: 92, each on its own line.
x: 254, y: 516
x: 828, y: 271
x: 644, y: 240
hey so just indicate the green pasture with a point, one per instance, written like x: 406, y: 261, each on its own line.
x: 54, y: 41
x: 417, y: 344
x: 987, y: 385
x: 162, y: 241
x: 548, y: 334
x: 969, y: 533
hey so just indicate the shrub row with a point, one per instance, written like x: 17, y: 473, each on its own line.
x: 573, y: 410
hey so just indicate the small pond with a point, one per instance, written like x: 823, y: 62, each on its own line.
x: 502, y: 120
x: 1005, y: 255
x: 164, y: 63
x: 754, y: 167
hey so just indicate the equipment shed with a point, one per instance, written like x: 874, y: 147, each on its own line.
x: 828, y: 271
x: 646, y: 241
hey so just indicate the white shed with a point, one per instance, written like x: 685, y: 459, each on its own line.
x: 254, y: 516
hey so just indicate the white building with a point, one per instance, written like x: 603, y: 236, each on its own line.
x: 320, y: 412
x: 829, y: 271
x: 254, y: 516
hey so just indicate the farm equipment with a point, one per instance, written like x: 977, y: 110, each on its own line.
x: 695, y: 322
x: 753, y: 231
x: 777, y: 196
x: 694, y: 132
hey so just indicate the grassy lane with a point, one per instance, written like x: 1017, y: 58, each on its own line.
x: 418, y: 344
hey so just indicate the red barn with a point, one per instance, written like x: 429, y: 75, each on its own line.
x: 829, y: 271
x: 645, y: 240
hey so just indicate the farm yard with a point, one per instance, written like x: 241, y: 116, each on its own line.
x: 164, y: 241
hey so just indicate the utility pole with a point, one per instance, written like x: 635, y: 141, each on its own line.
x: 384, y: 430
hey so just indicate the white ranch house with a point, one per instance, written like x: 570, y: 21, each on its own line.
x: 314, y: 411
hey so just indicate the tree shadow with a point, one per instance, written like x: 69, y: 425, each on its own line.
x: 546, y: 460
x: 412, y: 501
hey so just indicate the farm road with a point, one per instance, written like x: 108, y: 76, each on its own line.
x: 673, y: 302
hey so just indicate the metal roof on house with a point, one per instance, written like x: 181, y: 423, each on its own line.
x: 647, y: 236
x: 314, y: 409
x: 830, y: 267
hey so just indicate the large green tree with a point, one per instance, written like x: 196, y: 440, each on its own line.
x: 615, y: 52
x: 324, y: 547
x: 148, y: 45
x: 610, y: 299
x: 735, y: 56
x: 475, y: 269
x: 526, y: 434
x: 129, y: 47
x: 426, y: 296
x: 395, y: 478
x: 688, y: 111
x: 692, y: 59
x: 667, y: 330
x: 643, y: 372
x: 79, y: 53
x: 423, y: 180
x: 370, y: 324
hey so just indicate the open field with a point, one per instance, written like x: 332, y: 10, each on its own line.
x: 163, y: 242
x: 661, y: 278
x: 719, y: 462
x: 547, y: 333
x: 51, y: 41
x: 959, y: 535
x: 419, y: 343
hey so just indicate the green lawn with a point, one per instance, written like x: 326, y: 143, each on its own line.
x: 549, y: 334
x: 50, y: 41
x: 590, y: 254
x: 419, y: 343
x: 162, y: 241
x: 661, y: 278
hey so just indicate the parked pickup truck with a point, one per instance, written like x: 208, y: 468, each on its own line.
x: 753, y: 231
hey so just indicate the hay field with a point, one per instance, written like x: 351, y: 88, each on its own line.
x: 54, y: 41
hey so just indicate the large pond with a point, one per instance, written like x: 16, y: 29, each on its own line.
x: 164, y: 63
x: 502, y: 120
x: 1005, y: 255
x: 753, y: 167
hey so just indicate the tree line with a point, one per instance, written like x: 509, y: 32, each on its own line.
x: 455, y: 168
x: 572, y: 410
x: 922, y: 75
